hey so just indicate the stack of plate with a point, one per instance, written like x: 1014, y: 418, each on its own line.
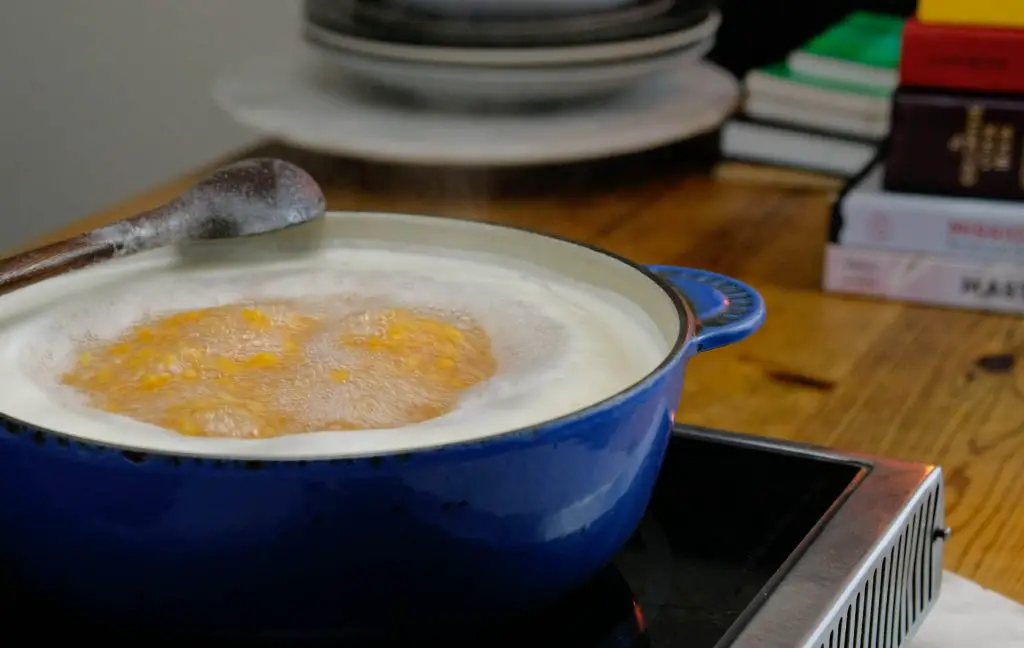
x: 509, y: 51
x: 495, y: 82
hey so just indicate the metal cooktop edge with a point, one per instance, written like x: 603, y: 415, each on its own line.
x: 874, y: 570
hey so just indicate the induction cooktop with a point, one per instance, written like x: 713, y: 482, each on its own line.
x: 748, y: 542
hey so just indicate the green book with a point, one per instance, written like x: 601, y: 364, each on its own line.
x: 863, y: 48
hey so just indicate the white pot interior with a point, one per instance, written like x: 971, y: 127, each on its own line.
x: 615, y: 324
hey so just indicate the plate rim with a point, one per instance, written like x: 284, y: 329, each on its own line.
x: 430, y: 67
x: 362, y: 21
x: 486, y: 157
x: 515, y: 56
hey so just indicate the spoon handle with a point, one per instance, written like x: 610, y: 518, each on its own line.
x: 155, y: 228
x: 54, y: 259
x: 243, y: 199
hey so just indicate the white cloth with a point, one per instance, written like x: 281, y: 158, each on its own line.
x: 969, y: 616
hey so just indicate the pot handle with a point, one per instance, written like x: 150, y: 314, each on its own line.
x: 727, y: 310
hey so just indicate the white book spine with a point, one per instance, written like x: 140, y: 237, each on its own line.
x: 925, y: 279
x: 821, y: 66
x: 984, y: 230
x: 843, y: 123
x: 761, y: 83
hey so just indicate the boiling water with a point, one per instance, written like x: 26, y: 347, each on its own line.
x: 524, y: 345
x: 269, y: 368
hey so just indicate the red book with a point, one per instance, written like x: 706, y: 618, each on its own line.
x: 962, y: 58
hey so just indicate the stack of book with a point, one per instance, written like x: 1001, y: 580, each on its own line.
x: 939, y: 217
x: 826, y: 107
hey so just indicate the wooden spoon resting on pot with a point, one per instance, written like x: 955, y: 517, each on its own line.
x: 249, y: 197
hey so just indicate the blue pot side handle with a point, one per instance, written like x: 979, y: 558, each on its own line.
x: 727, y: 310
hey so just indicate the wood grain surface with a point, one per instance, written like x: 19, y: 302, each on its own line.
x: 922, y: 384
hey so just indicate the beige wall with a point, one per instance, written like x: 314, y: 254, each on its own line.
x: 103, y: 98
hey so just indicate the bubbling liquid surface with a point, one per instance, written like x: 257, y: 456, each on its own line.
x: 534, y: 346
x: 271, y: 368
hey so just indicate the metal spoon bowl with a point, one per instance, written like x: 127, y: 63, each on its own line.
x: 254, y: 196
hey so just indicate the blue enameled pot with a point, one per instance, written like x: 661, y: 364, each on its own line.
x: 310, y: 545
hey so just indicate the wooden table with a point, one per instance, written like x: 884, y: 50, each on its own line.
x: 921, y: 384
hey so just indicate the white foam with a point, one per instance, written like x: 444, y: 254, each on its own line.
x: 560, y: 345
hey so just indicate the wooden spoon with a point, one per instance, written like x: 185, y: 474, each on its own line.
x: 249, y: 197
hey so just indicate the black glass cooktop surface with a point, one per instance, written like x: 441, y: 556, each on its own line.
x: 726, y: 520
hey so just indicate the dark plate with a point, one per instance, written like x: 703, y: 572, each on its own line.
x: 388, y: 21
x: 468, y: 11
x: 390, y: 9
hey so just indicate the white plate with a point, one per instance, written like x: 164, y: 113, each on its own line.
x: 285, y: 98
x: 516, y: 56
x: 464, y: 84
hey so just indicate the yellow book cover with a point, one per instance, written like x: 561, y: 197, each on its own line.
x: 990, y: 13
